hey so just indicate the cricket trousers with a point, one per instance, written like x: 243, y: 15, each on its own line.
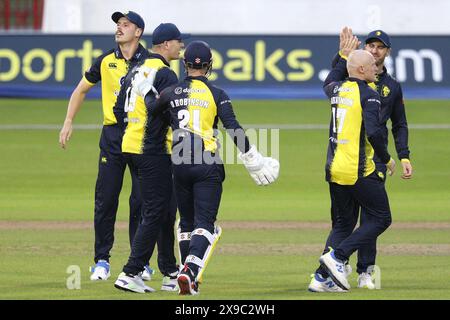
x: 155, y: 184
x: 368, y: 193
x: 111, y: 168
x: 198, y: 190
x: 367, y: 254
x: 167, y: 262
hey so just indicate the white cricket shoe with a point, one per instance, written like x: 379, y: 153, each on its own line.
x: 132, y: 283
x: 101, y: 271
x: 365, y: 281
x: 320, y: 284
x: 336, y: 269
x: 146, y: 275
x: 170, y: 282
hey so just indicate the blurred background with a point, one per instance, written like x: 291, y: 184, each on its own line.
x: 276, y: 50
x: 271, y: 57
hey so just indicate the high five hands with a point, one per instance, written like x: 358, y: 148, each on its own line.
x: 348, y: 42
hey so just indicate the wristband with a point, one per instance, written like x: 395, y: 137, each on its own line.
x: 342, y: 55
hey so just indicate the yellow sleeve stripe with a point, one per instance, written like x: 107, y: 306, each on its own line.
x: 88, y: 82
x: 405, y: 160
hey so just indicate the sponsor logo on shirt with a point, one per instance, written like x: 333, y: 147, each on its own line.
x: 180, y: 90
x: 385, y: 91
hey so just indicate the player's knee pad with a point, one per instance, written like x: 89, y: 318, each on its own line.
x: 184, y: 238
x: 212, y: 240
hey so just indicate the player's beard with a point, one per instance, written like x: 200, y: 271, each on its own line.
x: 380, y: 61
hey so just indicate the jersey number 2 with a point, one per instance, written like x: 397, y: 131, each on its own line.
x: 184, y: 116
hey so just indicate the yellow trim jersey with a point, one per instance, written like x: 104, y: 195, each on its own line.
x: 145, y: 133
x: 350, y: 153
x: 195, y: 106
x: 355, y: 130
x: 198, y: 113
x: 392, y: 107
x: 110, y: 68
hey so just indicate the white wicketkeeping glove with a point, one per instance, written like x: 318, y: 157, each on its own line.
x: 263, y: 170
x: 143, y: 80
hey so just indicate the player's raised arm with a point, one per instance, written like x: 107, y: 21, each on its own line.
x: 349, y: 43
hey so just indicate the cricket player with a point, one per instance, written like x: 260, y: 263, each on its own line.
x: 356, y: 133
x: 392, y: 107
x: 146, y: 148
x: 110, y: 68
x: 195, y: 106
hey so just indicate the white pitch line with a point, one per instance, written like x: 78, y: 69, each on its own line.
x: 431, y: 126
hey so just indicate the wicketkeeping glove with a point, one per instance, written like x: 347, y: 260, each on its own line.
x: 143, y: 80
x: 263, y: 170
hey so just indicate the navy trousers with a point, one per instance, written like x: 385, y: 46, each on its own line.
x: 367, y: 254
x: 198, y: 190
x: 155, y: 183
x: 167, y: 262
x: 111, y: 168
x: 368, y: 193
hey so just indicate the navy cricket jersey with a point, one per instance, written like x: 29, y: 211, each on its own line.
x: 355, y: 129
x: 144, y: 132
x: 110, y: 68
x: 195, y: 106
x: 392, y: 107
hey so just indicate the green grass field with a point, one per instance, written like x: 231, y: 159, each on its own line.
x: 47, y: 194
